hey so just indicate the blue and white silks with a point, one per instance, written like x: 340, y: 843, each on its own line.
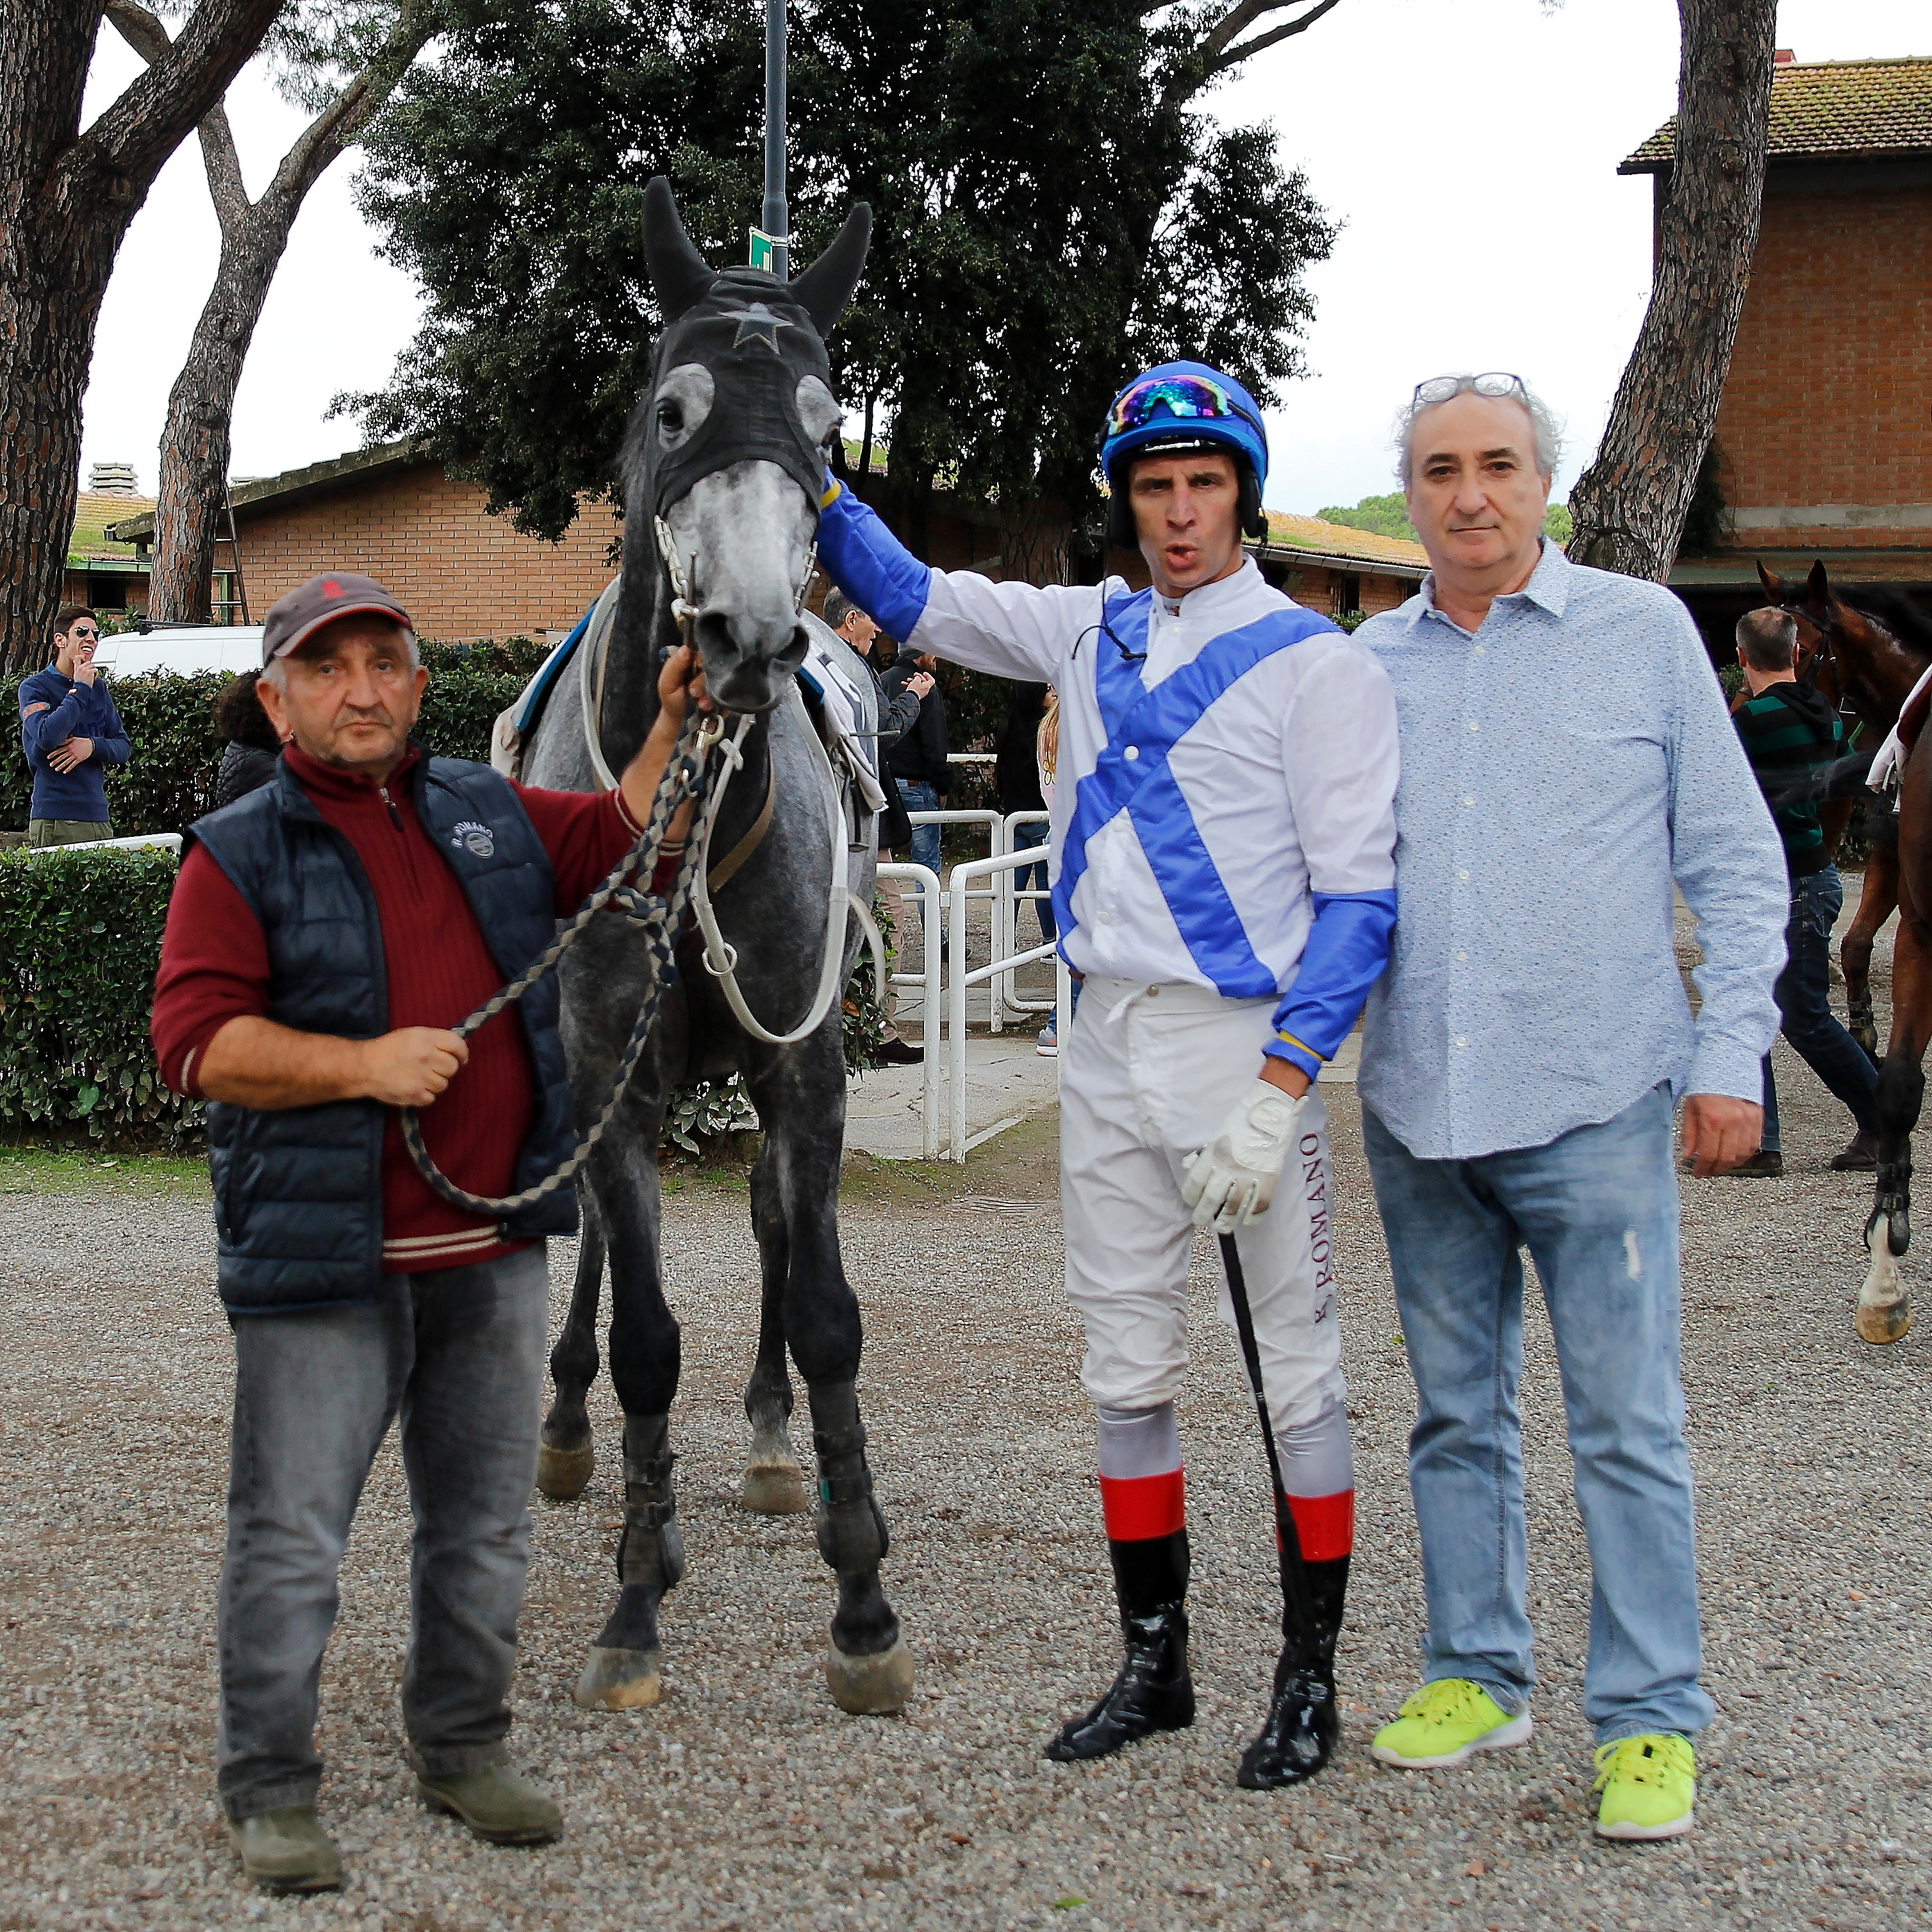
x: 1223, y: 812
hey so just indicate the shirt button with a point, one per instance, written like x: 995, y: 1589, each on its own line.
x: 1462, y: 875
x: 1469, y: 801
x: 1474, y: 726
x: 1479, y: 650
x: 1462, y: 955
x: 1461, y: 1042
x: 1132, y: 752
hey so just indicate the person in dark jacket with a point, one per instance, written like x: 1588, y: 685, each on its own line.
x: 918, y: 761
x: 71, y: 732
x: 251, y: 745
x: 1787, y: 731
x: 897, y: 714
x: 326, y: 931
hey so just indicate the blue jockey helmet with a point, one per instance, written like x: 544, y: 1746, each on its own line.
x: 1174, y: 408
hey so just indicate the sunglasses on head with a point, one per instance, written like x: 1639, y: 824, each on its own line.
x: 1185, y: 399
x: 1493, y: 383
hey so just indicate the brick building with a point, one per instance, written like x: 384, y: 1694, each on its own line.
x: 1824, y: 439
x: 463, y: 574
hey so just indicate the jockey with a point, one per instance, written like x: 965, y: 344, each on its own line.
x: 1223, y: 847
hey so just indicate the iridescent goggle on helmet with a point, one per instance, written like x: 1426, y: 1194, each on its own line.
x: 1187, y: 398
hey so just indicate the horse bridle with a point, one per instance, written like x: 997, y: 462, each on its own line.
x: 1825, y: 653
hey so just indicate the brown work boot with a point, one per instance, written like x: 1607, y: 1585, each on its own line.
x: 496, y: 1803
x: 1860, y: 1157
x: 287, y: 1850
x: 1767, y: 1164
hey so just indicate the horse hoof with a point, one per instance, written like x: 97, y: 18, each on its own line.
x: 563, y: 1474
x: 774, y: 1488
x: 1884, y: 1322
x: 869, y: 1686
x: 618, y: 1680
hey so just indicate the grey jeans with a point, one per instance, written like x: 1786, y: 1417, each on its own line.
x: 458, y: 1355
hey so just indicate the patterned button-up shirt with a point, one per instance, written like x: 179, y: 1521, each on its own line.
x: 1559, y: 768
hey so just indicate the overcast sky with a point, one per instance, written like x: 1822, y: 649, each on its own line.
x: 1469, y: 152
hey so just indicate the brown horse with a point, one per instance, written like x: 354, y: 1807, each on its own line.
x: 1871, y: 657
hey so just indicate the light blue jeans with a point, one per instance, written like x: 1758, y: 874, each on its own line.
x: 1597, y: 1209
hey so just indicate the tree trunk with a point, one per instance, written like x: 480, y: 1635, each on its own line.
x: 196, y: 440
x: 1629, y: 505
x: 66, y: 200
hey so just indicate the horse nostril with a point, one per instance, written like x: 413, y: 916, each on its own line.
x: 717, y: 647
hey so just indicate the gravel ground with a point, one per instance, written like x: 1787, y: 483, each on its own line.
x: 746, y: 1799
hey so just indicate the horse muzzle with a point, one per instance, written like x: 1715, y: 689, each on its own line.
x: 748, y: 664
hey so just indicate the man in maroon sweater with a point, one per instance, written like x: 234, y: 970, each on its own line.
x: 325, y: 934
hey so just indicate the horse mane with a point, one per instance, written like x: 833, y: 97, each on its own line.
x: 1901, y: 613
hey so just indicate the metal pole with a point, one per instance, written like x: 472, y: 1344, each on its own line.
x: 774, y: 220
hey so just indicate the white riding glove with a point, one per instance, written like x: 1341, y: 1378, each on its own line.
x: 1232, y: 1180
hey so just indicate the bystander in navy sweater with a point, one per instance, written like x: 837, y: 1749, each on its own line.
x: 53, y: 709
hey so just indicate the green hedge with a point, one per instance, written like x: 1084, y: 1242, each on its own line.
x: 169, y: 781
x: 80, y: 936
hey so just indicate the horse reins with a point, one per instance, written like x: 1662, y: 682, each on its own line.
x: 684, y: 778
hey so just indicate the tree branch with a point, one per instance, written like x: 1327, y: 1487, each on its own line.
x: 141, y: 128
x: 147, y: 34
x: 1217, y: 52
x: 339, y: 125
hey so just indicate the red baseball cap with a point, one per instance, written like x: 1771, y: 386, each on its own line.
x: 294, y: 619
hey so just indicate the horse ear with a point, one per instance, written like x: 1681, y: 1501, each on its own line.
x: 680, y: 276
x: 1818, y: 584
x: 826, y: 286
x: 1773, y: 584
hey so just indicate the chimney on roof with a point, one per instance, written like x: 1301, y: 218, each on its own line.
x: 112, y: 479
x: 1783, y: 57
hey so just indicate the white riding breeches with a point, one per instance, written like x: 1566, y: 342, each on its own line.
x: 1147, y: 1075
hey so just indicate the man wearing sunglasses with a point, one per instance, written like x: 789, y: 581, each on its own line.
x: 1222, y: 859
x: 1566, y: 756
x: 72, y: 733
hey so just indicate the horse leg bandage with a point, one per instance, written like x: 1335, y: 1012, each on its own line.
x: 1143, y: 1493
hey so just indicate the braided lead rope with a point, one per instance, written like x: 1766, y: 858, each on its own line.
x: 683, y: 776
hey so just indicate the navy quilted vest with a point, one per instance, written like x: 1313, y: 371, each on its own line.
x: 298, y: 1191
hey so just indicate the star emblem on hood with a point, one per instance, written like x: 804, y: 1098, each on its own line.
x: 758, y: 323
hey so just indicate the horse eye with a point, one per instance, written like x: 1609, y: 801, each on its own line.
x: 670, y: 416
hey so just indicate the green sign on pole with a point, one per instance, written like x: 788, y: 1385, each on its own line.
x: 764, y: 251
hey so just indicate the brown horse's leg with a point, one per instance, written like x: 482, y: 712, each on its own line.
x: 1877, y: 903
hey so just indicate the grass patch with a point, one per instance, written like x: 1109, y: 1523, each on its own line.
x: 56, y: 1167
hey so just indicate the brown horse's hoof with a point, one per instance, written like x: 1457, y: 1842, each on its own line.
x: 869, y: 1686
x: 1884, y: 1322
x: 619, y: 1680
x: 563, y: 1474
x: 774, y: 1488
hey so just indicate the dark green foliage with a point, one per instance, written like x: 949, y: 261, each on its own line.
x: 1385, y: 516
x: 1050, y: 212
x: 80, y: 937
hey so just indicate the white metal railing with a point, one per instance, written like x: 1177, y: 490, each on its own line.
x: 170, y: 841
x: 927, y: 980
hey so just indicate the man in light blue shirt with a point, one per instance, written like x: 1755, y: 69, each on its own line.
x: 1565, y: 755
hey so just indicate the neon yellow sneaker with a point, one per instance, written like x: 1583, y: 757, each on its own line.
x: 1444, y: 1722
x: 1649, y: 1785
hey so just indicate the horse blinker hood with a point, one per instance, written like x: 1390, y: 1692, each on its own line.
x: 769, y: 335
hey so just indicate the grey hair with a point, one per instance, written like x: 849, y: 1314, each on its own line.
x: 276, y: 670
x: 1768, y: 638
x: 1544, y: 420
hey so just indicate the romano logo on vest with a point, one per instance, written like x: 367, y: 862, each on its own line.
x: 478, y: 840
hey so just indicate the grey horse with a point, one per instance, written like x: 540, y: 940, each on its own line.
x: 723, y: 464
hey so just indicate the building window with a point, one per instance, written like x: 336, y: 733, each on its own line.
x: 107, y: 593
x: 1347, y: 595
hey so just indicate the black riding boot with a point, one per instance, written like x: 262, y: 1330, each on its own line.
x: 1153, y: 1691
x: 1302, y: 1724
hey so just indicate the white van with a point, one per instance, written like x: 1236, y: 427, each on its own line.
x: 180, y: 650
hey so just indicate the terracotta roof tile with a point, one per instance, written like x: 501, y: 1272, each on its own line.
x: 1831, y: 110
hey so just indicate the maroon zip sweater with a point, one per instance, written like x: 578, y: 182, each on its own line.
x: 214, y: 967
